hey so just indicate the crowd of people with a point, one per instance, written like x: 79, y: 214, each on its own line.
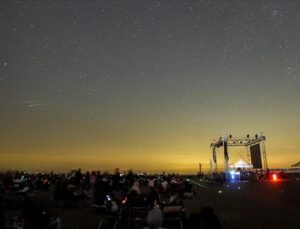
x: 125, y: 200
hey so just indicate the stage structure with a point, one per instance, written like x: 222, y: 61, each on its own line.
x: 255, y: 147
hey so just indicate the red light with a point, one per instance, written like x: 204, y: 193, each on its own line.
x: 274, y: 177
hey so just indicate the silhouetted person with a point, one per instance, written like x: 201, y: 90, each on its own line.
x: 130, y: 179
x: 2, y: 218
x: 78, y: 177
x: 153, y: 197
x: 211, y: 221
x: 195, y: 221
x: 116, y: 178
x: 101, y: 189
x: 87, y: 181
x: 36, y: 217
x: 204, y: 220
x: 154, y: 219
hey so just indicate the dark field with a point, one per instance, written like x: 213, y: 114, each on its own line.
x: 253, y: 205
x: 238, y: 205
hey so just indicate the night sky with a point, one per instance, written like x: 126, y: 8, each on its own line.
x: 146, y: 85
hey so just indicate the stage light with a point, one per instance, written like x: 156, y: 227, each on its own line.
x: 232, y: 175
x: 274, y: 176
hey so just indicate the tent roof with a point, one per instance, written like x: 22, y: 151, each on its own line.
x: 297, y: 164
x: 241, y: 164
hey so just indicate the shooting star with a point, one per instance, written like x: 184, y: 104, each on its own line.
x: 32, y: 103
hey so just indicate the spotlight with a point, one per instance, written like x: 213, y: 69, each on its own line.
x: 232, y: 175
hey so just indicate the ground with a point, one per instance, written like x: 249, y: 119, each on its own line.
x: 238, y: 205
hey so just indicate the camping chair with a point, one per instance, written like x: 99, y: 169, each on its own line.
x: 138, y: 216
x: 138, y: 211
x: 173, y: 215
x: 108, y: 217
x: 189, y: 194
x: 17, y: 197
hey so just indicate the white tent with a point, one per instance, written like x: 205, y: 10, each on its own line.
x: 297, y: 165
x: 295, y: 169
x: 241, y: 164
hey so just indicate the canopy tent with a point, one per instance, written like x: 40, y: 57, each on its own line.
x: 297, y: 165
x: 241, y: 164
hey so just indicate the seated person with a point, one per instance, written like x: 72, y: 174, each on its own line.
x: 154, y: 219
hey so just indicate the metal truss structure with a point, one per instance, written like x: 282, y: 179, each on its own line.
x: 229, y: 141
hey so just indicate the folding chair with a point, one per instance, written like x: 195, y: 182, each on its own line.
x: 108, y: 217
x: 138, y: 216
x: 173, y: 215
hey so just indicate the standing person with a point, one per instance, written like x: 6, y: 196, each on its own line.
x: 130, y: 179
x: 87, y: 181
x: 78, y: 177
x: 116, y: 178
x: 93, y: 179
x: 154, y: 197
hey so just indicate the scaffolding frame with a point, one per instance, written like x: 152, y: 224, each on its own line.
x: 226, y: 141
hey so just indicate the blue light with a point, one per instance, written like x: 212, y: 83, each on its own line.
x: 232, y: 176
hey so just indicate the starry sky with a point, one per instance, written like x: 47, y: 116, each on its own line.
x: 146, y: 85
